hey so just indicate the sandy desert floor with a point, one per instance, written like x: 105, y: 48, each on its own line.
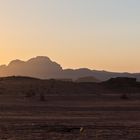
x: 70, y: 118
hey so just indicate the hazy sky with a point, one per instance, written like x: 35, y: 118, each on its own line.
x: 98, y: 34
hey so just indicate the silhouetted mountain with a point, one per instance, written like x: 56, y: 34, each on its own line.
x: 39, y: 67
x: 44, y: 68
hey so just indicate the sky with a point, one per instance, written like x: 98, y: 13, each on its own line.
x: 97, y: 34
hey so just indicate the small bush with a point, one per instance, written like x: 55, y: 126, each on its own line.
x: 42, y: 97
x: 30, y: 93
x: 124, y: 97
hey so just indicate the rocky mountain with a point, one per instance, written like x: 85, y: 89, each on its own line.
x: 39, y: 67
x: 44, y: 68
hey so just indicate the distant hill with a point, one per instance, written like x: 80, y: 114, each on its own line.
x: 87, y: 79
x: 32, y: 87
x: 17, y: 78
x: 44, y: 68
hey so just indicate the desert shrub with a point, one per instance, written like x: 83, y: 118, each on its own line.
x: 42, y: 97
x: 124, y: 97
x: 30, y: 93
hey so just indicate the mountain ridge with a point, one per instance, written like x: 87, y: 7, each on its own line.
x: 44, y: 68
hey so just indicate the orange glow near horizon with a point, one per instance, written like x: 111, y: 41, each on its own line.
x: 75, y: 34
